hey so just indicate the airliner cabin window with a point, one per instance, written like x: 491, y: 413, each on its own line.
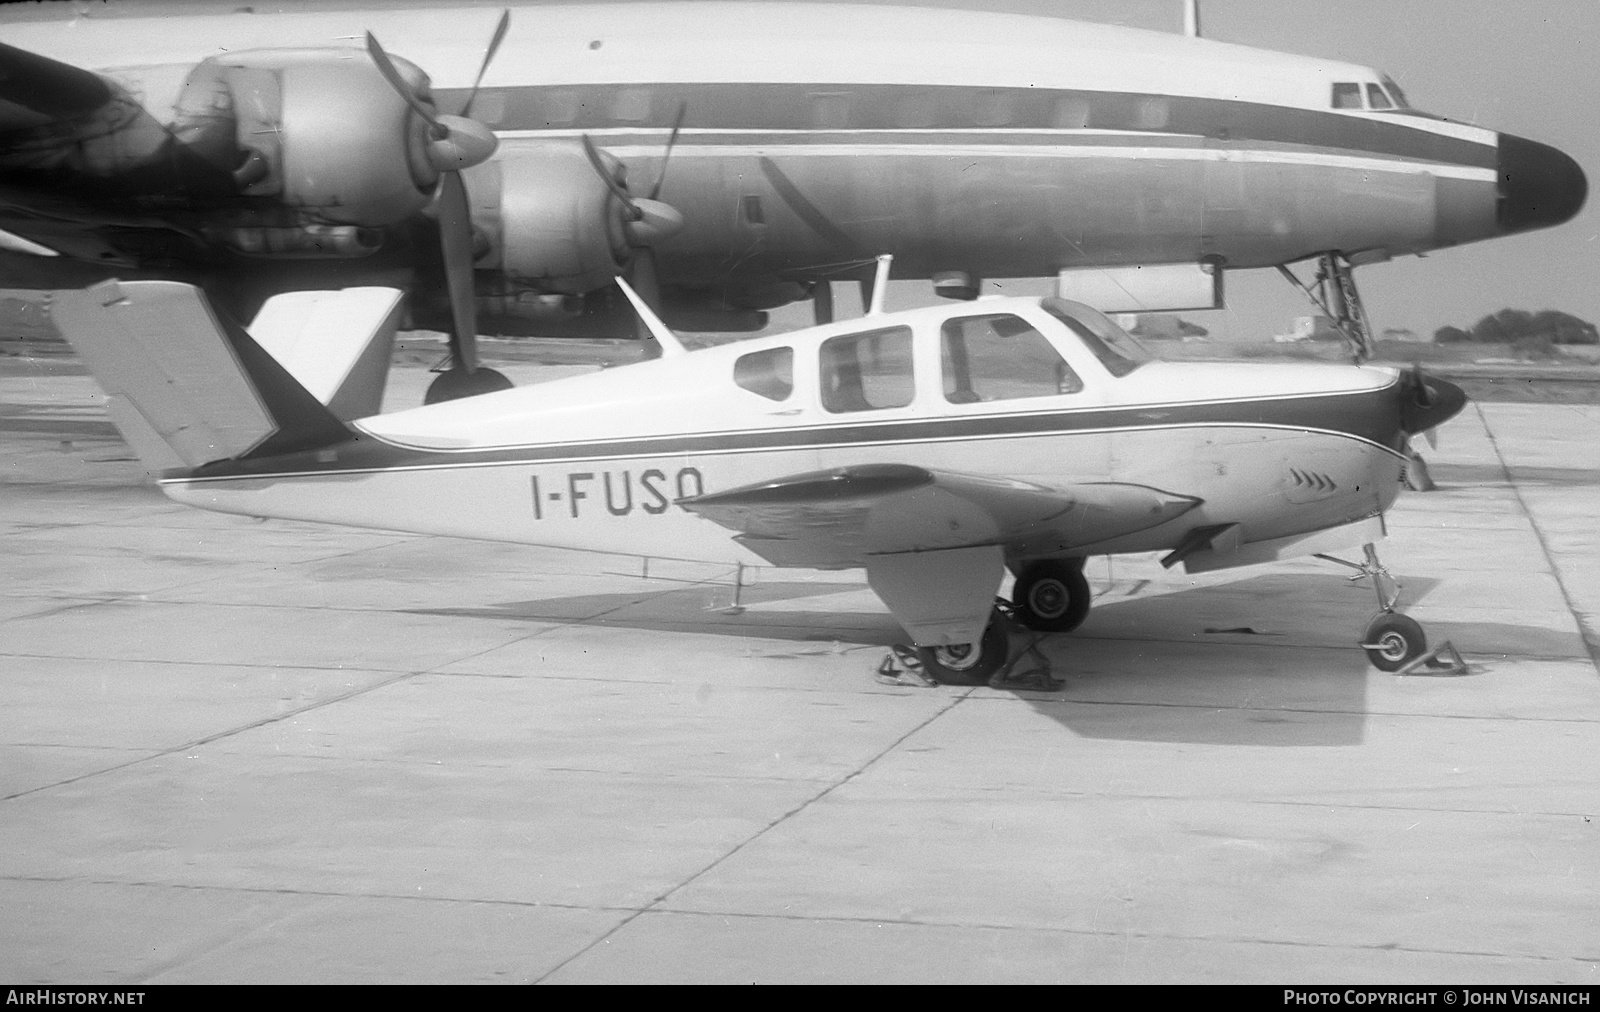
x: 864, y: 372
x: 1071, y: 113
x: 916, y: 109
x: 769, y: 373
x: 1376, y: 99
x: 1346, y: 95
x: 992, y: 108
x: 1000, y: 357
x: 830, y: 110
x: 560, y: 107
x: 490, y: 106
x: 631, y: 105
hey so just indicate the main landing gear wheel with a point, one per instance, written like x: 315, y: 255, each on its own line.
x: 1393, y: 640
x: 968, y: 663
x: 456, y: 383
x: 1052, y: 595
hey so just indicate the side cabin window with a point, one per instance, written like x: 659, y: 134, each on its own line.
x: 1000, y: 357
x: 1113, y: 346
x: 769, y: 373
x: 865, y: 372
x: 1376, y: 99
x: 1346, y: 95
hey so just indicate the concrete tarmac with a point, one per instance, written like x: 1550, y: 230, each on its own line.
x: 239, y: 751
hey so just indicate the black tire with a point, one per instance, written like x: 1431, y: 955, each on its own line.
x: 454, y: 384
x: 966, y: 664
x: 1052, y: 595
x: 1392, y: 641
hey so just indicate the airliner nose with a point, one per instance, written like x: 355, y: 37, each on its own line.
x: 1539, y: 186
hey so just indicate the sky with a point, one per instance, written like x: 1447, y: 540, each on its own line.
x: 1530, y: 68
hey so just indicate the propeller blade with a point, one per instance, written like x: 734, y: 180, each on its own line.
x: 488, y: 58
x: 455, y: 242
x: 1432, y: 436
x: 610, y: 179
x: 391, y: 73
x: 672, y: 138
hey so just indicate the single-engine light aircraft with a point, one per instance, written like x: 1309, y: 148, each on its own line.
x: 935, y: 448
x: 506, y: 168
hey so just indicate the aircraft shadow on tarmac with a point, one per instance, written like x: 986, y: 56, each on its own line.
x: 1176, y: 667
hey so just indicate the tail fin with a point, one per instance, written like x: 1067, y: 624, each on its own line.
x: 186, y: 387
x: 337, y: 344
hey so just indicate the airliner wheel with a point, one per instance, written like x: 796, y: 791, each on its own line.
x: 1052, y: 595
x: 968, y: 663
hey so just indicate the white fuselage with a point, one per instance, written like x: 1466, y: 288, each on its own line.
x: 597, y: 461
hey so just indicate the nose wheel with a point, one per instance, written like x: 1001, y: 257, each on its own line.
x: 1394, y: 642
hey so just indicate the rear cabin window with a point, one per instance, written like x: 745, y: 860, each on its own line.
x: 865, y: 372
x: 769, y: 373
x: 1346, y: 95
x: 1000, y: 357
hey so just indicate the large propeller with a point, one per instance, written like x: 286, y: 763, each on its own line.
x: 454, y: 143
x: 647, y: 221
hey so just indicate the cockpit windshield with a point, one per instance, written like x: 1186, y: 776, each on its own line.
x: 1395, y: 93
x: 1114, y: 347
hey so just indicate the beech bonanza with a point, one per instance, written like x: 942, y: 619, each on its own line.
x: 259, y: 153
x: 934, y: 448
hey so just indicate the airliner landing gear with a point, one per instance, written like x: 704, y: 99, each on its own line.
x: 1052, y: 595
x: 969, y: 663
x: 1396, y: 642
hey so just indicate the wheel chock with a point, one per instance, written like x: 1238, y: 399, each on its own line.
x: 1442, y: 661
x: 902, y: 666
x: 1036, y: 676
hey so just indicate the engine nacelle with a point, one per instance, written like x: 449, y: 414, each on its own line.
x: 558, y: 227
x: 319, y: 130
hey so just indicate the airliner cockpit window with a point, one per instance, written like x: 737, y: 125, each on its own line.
x: 1346, y: 95
x: 1400, y: 100
x: 1000, y: 357
x: 864, y: 372
x: 1114, y: 347
x: 1376, y: 99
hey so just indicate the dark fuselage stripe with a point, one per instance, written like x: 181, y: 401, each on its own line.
x: 1371, y: 416
x: 824, y: 107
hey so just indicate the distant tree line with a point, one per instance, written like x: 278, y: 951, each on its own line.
x: 1518, y: 326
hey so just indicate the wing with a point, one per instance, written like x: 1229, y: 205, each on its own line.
x: 37, y: 91
x: 838, y: 518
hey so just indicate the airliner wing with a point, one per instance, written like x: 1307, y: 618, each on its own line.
x: 840, y: 517
x: 36, y: 91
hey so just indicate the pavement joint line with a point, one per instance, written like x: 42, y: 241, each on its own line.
x: 396, y: 678
x: 1544, y: 543
x: 208, y: 739
x: 952, y: 703
x: 953, y: 925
